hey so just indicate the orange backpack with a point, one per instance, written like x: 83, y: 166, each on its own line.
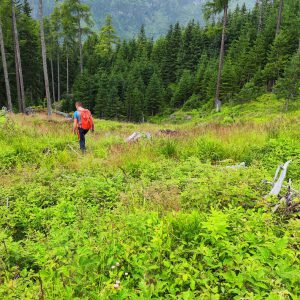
x: 86, y: 119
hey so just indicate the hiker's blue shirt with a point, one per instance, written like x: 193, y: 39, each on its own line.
x: 77, y: 116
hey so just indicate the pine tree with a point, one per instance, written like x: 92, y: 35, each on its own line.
x: 200, y: 85
x: 283, y: 47
x: 31, y: 54
x: 134, y: 99
x: 137, y: 97
x: 256, y: 57
x: 288, y: 86
x: 184, y: 89
x: 154, y: 95
x: 170, y: 61
x: 85, y: 89
x: 116, y: 95
x: 107, y: 38
x: 102, y: 95
x: 231, y: 78
x: 79, y: 19
x: 186, y: 52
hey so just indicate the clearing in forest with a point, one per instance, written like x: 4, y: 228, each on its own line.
x: 182, y: 215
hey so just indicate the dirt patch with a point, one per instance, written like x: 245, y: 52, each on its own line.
x: 168, y: 132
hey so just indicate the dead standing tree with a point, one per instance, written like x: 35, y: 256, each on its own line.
x: 44, y: 56
x: 7, y: 85
x: 18, y: 63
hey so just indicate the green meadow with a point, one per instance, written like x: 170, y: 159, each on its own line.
x: 183, y: 215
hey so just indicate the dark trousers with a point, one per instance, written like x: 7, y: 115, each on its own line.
x: 82, y: 133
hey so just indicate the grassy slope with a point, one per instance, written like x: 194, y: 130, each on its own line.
x: 181, y: 224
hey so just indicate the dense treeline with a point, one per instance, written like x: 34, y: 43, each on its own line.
x: 137, y: 78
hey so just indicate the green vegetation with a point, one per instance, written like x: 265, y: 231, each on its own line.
x: 185, y: 214
x: 164, y: 217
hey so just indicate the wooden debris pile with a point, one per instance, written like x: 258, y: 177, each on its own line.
x: 168, y: 132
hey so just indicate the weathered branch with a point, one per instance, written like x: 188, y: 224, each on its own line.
x: 278, y: 184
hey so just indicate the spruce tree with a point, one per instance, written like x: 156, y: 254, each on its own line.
x: 186, y: 52
x: 107, y: 38
x: 102, y: 95
x: 281, y: 50
x: 288, y: 86
x: 170, y: 62
x: 184, y: 89
x: 154, y: 95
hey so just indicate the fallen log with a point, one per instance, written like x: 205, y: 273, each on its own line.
x: 63, y: 114
x: 279, y: 179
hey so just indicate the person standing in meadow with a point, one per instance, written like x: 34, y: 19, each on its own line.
x: 83, y: 122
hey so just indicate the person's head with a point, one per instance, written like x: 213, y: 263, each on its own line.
x: 78, y: 104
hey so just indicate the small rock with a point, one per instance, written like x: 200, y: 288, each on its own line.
x: 137, y: 135
x: 239, y: 166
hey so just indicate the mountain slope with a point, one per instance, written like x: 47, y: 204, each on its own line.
x: 129, y: 15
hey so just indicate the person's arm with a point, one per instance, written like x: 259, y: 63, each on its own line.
x: 93, y: 125
x: 75, y: 124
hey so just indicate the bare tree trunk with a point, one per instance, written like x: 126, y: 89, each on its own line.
x: 44, y: 56
x: 80, y: 42
x: 279, y: 18
x: 18, y: 80
x: 260, y: 8
x: 18, y: 58
x: 17, y: 71
x: 67, y: 71
x: 221, y: 62
x: 58, y: 76
x: 80, y: 49
x: 52, y: 79
x: 7, y: 85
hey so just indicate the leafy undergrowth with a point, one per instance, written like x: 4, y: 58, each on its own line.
x: 158, y: 219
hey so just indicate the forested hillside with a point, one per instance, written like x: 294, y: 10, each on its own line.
x: 137, y: 78
x: 130, y: 15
